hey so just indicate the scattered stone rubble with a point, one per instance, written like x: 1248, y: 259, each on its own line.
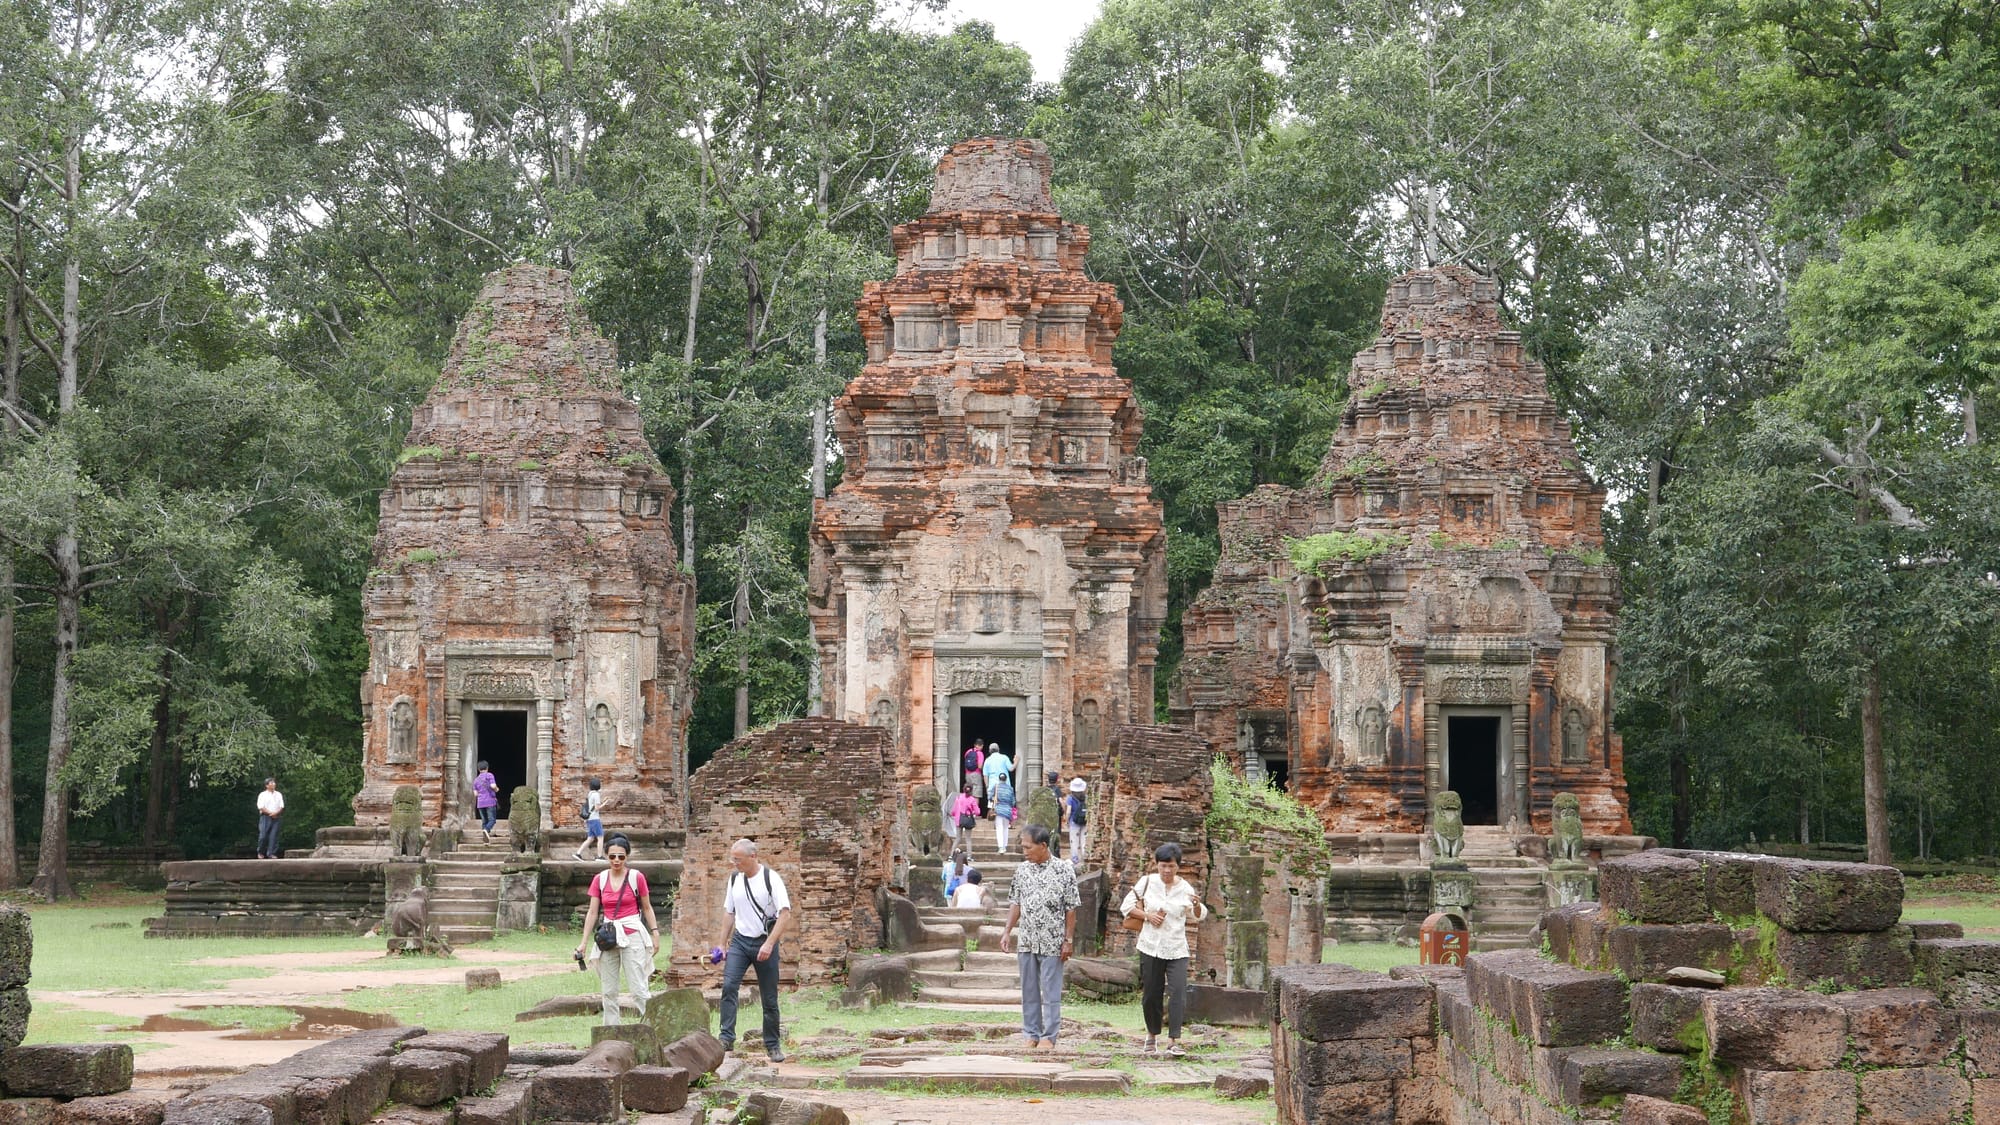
x: 1828, y: 1010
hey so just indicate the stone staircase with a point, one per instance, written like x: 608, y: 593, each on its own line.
x: 1508, y: 897
x: 465, y: 887
x: 982, y: 977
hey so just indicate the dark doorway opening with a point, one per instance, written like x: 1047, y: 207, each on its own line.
x: 1277, y: 772
x: 994, y: 724
x: 1474, y: 769
x: 502, y: 738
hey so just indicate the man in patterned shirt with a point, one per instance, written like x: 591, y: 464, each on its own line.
x: 1044, y: 913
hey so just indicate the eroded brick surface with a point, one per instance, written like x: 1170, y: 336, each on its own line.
x: 993, y: 542
x: 524, y: 562
x: 818, y: 797
x: 1483, y: 585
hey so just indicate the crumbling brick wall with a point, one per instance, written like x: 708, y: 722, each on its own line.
x: 1153, y: 790
x: 818, y: 797
x: 17, y: 951
x: 1835, y: 1011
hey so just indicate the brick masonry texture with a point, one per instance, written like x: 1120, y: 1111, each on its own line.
x: 1469, y: 576
x: 524, y: 564
x: 819, y: 798
x: 1521, y: 1037
x: 993, y: 542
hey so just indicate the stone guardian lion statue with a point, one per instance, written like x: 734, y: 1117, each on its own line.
x: 406, y: 822
x: 1567, y: 846
x: 1448, y: 824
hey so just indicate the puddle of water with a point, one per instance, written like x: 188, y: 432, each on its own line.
x: 311, y: 1023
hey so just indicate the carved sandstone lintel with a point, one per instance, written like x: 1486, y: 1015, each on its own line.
x: 1476, y: 683
x: 502, y: 678
x: 1000, y: 675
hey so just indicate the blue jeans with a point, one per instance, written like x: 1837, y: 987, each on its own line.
x: 267, y: 836
x: 487, y: 814
x: 742, y: 955
x: 1041, y: 994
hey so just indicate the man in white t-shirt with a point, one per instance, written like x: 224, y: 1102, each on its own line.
x: 270, y: 810
x: 760, y: 913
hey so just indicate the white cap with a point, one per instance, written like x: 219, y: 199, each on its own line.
x: 1076, y: 785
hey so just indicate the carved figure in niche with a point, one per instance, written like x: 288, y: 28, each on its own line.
x: 1089, y: 729
x: 1567, y: 847
x: 982, y: 446
x: 601, y: 742
x: 524, y: 820
x: 926, y: 821
x: 1070, y: 450
x: 403, y: 730
x: 1374, y: 734
x: 406, y: 822
x: 883, y: 714
x: 909, y: 449
x: 1448, y: 824
x: 1576, y: 737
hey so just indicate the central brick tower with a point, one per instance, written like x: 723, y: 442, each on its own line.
x: 992, y: 564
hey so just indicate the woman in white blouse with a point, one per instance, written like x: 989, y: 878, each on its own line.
x: 1168, y: 903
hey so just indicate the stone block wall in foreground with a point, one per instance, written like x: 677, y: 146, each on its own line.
x: 1834, y: 1012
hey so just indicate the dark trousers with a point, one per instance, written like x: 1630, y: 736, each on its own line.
x: 742, y: 955
x: 267, y: 836
x: 1157, y: 976
x: 488, y: 815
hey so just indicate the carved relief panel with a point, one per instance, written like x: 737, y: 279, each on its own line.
x: 1475, y: 684
x: 501, y: 678
x: 995, y: 675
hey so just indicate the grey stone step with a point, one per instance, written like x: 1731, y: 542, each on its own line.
x: 990, y: 997
x: 931, y: 980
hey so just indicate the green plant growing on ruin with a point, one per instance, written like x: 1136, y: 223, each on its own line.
x: 1441, y: 542
x: 1507, y: 545
x: 412, y: 452
x: 1590, y: 556
x: 421, y: 555
x: 1241, y: 810
x: 628, y: 461
x: 1313, y: 551
x: 527, y: 464
x: 1373, y: 389
x: 1359, y: 467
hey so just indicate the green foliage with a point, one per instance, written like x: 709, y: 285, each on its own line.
x: 412, y: 452
x: 1241, y: 811
x: 419, y: 556
x: 1314, y: 551
x: 528, y: 465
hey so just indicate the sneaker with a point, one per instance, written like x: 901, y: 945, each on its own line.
x: 729, y: 1046
x: 775, y: 1054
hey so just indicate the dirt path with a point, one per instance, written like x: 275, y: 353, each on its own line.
x: 309, y: 980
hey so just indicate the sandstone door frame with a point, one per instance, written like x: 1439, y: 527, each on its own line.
x: 462, y: 759
x: 1509, y: 751
x: 1026, y: 749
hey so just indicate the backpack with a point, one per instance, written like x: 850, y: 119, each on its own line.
x: 1077, y: 815
x: 971, y: 760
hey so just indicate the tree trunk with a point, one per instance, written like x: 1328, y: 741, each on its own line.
x: 697, y: 273
x: 1874, y: 768
x: 10, y: 393
x: 52, y: 866
x: 739, y: 623
x: 159, y: 778
x: 1968, y: 407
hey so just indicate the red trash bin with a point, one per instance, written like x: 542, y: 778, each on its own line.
x: 1443, y: 941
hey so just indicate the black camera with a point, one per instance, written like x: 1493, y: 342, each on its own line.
x: 577, y: 956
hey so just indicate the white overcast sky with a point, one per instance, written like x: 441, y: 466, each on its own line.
x: 1045, y: 28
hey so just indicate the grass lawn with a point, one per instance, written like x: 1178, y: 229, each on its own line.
x: 1379, y: 956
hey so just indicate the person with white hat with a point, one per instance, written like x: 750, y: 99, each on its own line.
x: 1075, y: 816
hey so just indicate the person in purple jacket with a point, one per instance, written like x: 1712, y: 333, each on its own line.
x: 487, y: 792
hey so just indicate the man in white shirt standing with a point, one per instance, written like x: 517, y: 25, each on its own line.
x: 760, y: 913
x: 270, y: 809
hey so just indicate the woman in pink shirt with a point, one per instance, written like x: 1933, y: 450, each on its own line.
x: 962, y: 806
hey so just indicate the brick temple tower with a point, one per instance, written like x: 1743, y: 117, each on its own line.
x: 992, y: 563
x: 526, y: 606
x: 1435, y: 612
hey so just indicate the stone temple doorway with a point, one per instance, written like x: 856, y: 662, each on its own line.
x: 500, y: 739
x: 993, y: 718
x: 1474, y: 761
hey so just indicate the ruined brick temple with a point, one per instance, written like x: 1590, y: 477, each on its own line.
x: 1434, y: 611
x: 526, y: 606
x: 992, y: 563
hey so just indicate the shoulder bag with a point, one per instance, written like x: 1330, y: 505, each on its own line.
x: 1136, y: 919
